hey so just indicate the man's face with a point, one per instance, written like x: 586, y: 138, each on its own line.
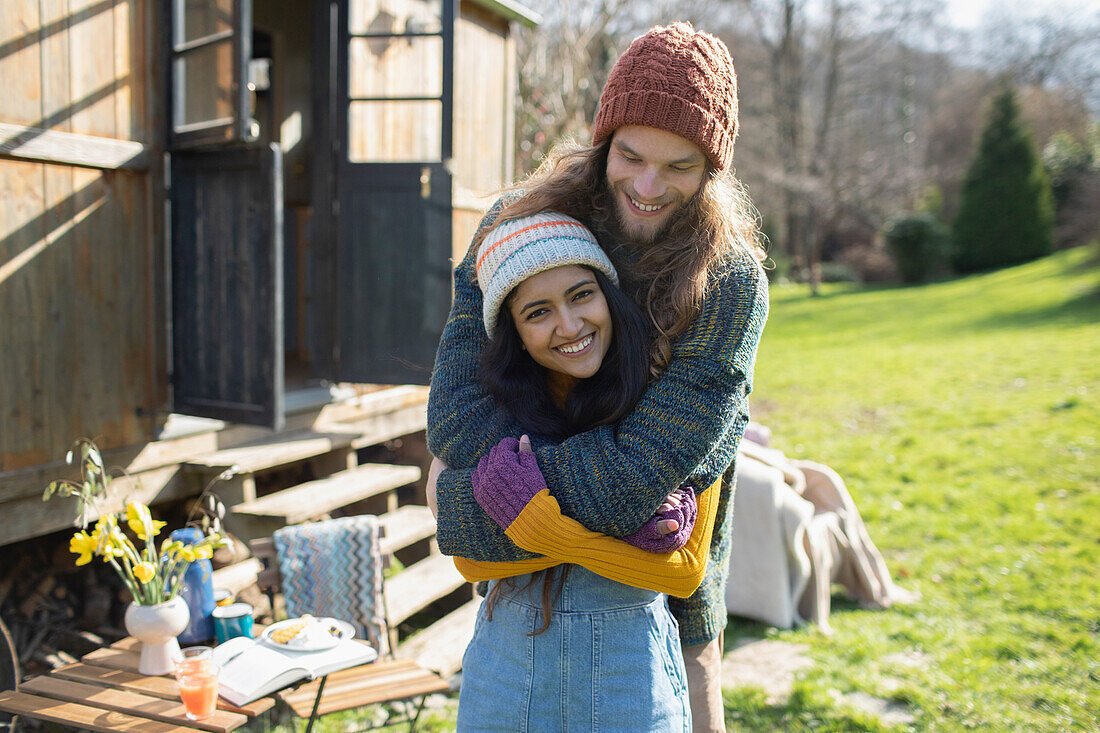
x: 651, y: 174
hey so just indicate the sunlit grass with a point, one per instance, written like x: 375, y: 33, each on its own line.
x: 964, y: 417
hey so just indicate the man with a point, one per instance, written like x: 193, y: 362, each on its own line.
x: 657, y: 190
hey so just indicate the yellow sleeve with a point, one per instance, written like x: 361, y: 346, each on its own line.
x: 476, y: 571
x: 542, y: 528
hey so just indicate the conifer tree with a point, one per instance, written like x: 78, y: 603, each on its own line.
x: 1006, y: 214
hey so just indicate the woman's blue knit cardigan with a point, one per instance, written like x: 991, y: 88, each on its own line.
x: 684, y: 430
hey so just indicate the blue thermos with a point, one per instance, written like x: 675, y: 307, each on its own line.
x: 197, y: 591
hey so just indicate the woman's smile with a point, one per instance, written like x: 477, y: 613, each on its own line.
x: 577, y: 346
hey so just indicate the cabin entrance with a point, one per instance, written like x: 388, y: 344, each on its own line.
x: 311, y: 202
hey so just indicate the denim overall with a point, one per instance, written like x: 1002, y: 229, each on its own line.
x: 610, y: 661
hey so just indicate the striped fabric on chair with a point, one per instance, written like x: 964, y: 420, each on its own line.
x: 334, y: 568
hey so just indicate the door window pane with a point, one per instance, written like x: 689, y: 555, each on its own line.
x: 204, y: 79
x: 393, y: 132
x: 395, y: 16
x: 201, y: 18
x: 395, y: 67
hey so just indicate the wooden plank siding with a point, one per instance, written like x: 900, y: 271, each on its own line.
x: 484, y: 105
x: 76, y: 253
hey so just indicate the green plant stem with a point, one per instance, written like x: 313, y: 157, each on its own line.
x: 135, y: 591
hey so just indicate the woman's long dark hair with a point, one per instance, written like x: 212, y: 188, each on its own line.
x: 519, y: 384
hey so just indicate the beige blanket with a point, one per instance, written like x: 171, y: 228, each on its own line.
x: 796, y: 532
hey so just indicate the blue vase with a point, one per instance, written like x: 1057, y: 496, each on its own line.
x: 197, y: 592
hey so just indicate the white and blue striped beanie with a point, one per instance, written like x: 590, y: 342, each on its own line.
x: 517, y: 249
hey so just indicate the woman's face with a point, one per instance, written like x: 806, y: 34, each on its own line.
x: 563, y: 320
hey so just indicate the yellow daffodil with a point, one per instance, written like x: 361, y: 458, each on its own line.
x: 187, y: 552
x: 142, y: 522
x: 83, y: 544
x: 109, y: 538
x: 203, y: 552
x: 144, y: 571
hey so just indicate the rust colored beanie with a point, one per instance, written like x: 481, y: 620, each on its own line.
x: 678, y: 79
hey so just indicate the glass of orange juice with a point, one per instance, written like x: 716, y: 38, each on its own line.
x: 197, y: 676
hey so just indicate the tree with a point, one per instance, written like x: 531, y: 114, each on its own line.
x: 564, y: 63
x: 1006, y: 214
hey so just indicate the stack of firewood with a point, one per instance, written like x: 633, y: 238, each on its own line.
x: 54, y: 610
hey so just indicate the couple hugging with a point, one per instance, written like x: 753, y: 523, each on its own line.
x: 589, y: 394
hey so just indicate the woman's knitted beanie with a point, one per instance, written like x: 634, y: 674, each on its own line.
x: 517, y: 249
x: 678, y: 79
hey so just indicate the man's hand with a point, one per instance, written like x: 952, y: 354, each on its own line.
x: 671, y: 503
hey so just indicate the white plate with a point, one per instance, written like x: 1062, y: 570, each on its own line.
x: 346, y: 629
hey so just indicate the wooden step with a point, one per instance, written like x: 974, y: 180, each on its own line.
x: 379, y: 402
x: 279, y: 450
x: 314, y: 498
x: 405, y: 526
x: 381, y: 416
x: 419, y: 585
x: 238, y: 576
x: 440, y: 646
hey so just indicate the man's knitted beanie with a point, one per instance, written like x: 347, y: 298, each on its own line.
x: 678, y: 79
x: 517, y: 249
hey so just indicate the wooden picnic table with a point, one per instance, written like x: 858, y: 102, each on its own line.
x: 105, y: 692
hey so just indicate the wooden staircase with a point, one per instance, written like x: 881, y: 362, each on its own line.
x: 329, y: 451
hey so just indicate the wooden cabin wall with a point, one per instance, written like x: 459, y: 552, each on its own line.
x: 484, y: 113
x: 77, y: 261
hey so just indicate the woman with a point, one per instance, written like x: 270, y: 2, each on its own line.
x: 581, y: 637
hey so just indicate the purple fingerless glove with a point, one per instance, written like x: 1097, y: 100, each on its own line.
x: 505, y: 480
x: 649, y: 539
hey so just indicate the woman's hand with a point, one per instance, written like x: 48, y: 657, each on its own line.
x: 670, y: 528
x: 506, y: 479
x: 436, y: 468
x: 668, y: 508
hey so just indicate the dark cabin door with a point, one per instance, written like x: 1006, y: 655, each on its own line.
x: 392, y: 189
x: 226, y: 223
x: 227, y: 281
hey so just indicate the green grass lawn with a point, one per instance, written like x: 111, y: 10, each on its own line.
x: 964, y: 417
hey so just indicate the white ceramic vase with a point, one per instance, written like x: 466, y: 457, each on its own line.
x: 157, y: 627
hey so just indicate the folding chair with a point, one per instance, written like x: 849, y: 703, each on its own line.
x: 335, y: 568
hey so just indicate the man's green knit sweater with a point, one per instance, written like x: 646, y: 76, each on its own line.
x: 684, y: 430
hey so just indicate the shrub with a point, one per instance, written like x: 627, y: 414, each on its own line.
x: 1006, y: 213
x: 919, y: 244
x: 838, y: 272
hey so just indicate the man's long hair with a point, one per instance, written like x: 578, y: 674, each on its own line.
x: 716, y: 226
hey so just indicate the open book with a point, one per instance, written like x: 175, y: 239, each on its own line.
x: 251, y: 669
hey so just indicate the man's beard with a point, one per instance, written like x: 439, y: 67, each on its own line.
x: 637, y: 236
